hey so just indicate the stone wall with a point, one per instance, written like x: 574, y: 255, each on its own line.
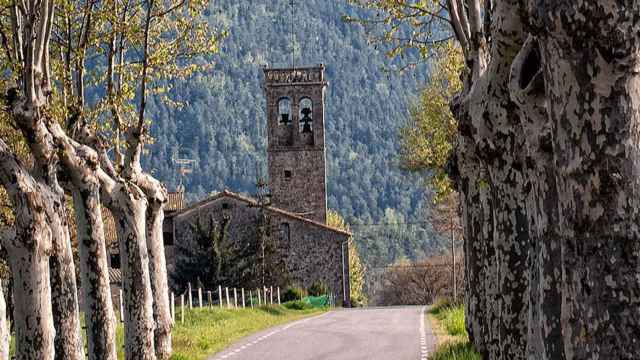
x: 311, y: 252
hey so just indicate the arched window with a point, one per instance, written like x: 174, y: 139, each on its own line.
x: 284, y: 111
x: 306, y: 116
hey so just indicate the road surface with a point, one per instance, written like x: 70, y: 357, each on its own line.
x: 397, y: 333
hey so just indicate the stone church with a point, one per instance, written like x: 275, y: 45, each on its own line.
x: 311, y: 251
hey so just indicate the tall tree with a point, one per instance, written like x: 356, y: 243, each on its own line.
x: 546, y: 183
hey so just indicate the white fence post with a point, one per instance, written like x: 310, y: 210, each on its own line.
x: 235, y: 298
x: 173, y: 307
x: 220, y: 295
x: 243, y: 298
x: 226, y: 289
x: 182, y: 308
x: 264, y: 296
x: 271, y: 294
x: 121, y: 307
x: 200, y: 297
x: 279, y: 296
x: 259, y: 302
x: 251, y: 298
x: 190, y: 299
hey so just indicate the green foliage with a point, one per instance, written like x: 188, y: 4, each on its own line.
x: 297, y: 305
x: 357, y: 270
x: 318, y: 289
x: 451, y: 319
x: 428, y: 137
x: 293, y: 293
x: 207, y: 331
x: 222, y: 124
x: 211, y: 260
x: 456, y: 350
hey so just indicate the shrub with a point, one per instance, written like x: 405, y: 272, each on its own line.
x: 293, y: 293
x: 297, y: 305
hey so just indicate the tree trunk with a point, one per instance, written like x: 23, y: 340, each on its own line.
x: 477, y: 211
x: 28, y: 245
x: 81, y: 164
x: 159, y: 283
x: 490, y: 119
x: 99, y: 315
x: 527, y: 90
x: 64, y: 292
x: 129, y: 206
x: 590, y: 58
x: 4, y: 327
x: 156, y: 195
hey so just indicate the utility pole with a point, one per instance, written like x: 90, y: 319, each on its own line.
x: 263, y: 200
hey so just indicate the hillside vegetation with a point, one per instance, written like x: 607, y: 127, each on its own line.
x: 220, y: 121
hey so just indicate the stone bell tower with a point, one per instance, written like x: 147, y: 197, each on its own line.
x: 295, y: 150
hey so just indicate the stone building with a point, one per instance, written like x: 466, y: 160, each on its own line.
x: 311, y: 252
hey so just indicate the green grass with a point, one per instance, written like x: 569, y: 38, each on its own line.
x: 457, y: 346
x: 208, y: 331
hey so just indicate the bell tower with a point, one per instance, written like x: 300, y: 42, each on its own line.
x: 296, y: 150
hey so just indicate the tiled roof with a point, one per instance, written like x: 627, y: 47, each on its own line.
x: 248, y: 200
x: 115, y: 276
x: 175, y: 202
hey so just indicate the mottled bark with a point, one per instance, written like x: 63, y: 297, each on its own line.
x: 129, y: 207
x: 28, y: 246
x: 64, y: 294
x: 81, y: 166
x: 489, y: 119
x: 4, y: 327
x: 156, y: 195
x: 158, y: 272
x: 590, y: 53
x: 527, y: 90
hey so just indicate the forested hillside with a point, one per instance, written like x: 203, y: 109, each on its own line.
x: 220, y: 122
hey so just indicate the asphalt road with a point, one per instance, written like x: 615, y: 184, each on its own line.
x: 397, y: 333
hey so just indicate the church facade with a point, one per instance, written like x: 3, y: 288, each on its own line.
x: 309, y: 250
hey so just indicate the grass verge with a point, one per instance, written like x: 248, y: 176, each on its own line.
x: 208, y: 331
x: 453, y: 342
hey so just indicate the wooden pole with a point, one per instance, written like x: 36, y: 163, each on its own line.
x: 182, y: 308
x: 279, y: 296
x: 264, y: 295
x: 228, y: 303
x: 190, y: 299
x: 200, y: 297
x: 243, y: 298
x: 173, y: 307
x: 235, y: 298
x: 220, y: 295
x: 259, y: 301
x: 121, y: 307
x: 251, y: 298
x: 271, y: 295
x: 209, y: 298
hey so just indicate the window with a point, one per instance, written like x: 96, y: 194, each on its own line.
x: 168, y: 238
x: 306, y: 116
x: 225, y: 206
x: 115, y: 260
x: 284, y: 111
x: 285, y: 232
x: 288, y: 174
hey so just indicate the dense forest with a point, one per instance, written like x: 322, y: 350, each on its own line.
x: 219, y: 120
